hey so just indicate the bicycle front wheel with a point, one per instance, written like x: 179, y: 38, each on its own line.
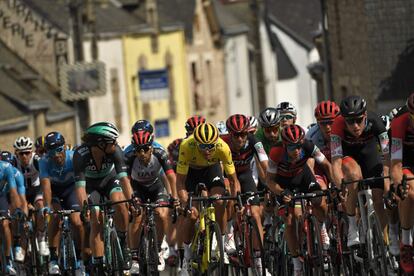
x: 376, y: 248
x: 216, y: 252
x: 314, y: 258
x: 67, y: 255
x: 237, y: 262
x: 256, y: 252
x: 117, y: 261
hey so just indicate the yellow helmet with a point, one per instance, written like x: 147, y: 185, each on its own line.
x: 206, y: 133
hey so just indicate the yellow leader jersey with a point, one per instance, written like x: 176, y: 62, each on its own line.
x: 190, y: 156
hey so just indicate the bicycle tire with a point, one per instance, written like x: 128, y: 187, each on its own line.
x: 216, y: 263
x: 197, y: 249
x: 254, y: 236
x: 153, y: 252
x: 116, y: 261
x: 67, y: 255
x: 313, y: 257
x: 237, y: 261
x: 376, y: 248
x: 286, y: 262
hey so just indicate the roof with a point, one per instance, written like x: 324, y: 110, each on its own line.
x: 230, y: 19
x: 109, y: 18
x: 23, y: 91
x: 299, y: 18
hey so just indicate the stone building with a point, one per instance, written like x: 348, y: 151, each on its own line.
x: 366, y: 39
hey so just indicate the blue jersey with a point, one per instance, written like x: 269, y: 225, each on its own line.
x: 7, y: 180
x: 60, y: 176
x: 18, y: 177
x: 130, y: 147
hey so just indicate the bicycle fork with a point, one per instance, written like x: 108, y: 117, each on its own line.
x: 366, y: 207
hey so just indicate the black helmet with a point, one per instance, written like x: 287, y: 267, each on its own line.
x: 269, y: 117
x: 353, y: 106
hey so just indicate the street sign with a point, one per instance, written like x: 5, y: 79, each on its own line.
x: 82, y: 80
x: 153, y: 84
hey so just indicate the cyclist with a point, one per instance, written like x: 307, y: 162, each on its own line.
x: 221, y: 126
x: 58, y: 186
x: 21, y: 190
x: 8, y: 188
x: 244, y: 148
x: 319, y: 134
x: 254, y: 124
x: 145, y: 167
x: 100, y: 169
x: 402, y: 162
x: 141, y: 125
x: 288, y: 171
x: 40, y: 146
x: 28, y: 164
x: 199, y: 162
x: 287, y: 113
x: 268, y: 133
x: 354, y: 138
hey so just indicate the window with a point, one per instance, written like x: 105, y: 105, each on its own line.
x: 162, y: 128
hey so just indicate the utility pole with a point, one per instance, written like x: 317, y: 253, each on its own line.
x: 326, y: 54
x: 256, y: 11
x: 75, y: 11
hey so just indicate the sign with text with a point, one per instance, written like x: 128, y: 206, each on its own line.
x: 153, y: 85
x: 82, y: 80
x: 30, y: 36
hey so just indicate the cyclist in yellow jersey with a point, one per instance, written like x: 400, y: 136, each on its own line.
x: 199, y: 162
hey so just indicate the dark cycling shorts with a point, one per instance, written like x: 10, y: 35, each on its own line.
x: 212, y: 176
x: 34, y: 194
x: 104, y: 187
x: 66, y: 197
x: 304, y: 182
x: 4, y: 204
x: 248, y: 185
x: 156, y: 192
x: 368, y: 159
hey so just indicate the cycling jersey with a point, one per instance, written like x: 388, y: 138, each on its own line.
x: 402, y: 146
x: 281, y: 164
x: 7, y: 180
x: 146, y: 175
x: 190, y: 156
x: 103, y: 179
x: 315, y: 135
x: 267, y: 144
x: 343, y: 143
x: 18, y: 177
x: 60, y: 176
x: 31, y: 172
x: 252, y: 147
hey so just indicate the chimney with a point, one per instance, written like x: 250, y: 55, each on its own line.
x: 151, y: 13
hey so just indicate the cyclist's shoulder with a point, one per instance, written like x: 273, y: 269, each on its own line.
x: 221, y: 145
x: 313, y: 132
x: 277, y: 152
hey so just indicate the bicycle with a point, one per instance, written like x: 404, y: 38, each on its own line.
x: 308, y: 232
x: 249, y: 247
x: 370, y: 229
x: 67, y: 254
x: 148, y: 242
x: 113, y: 255
x: 207, y: 252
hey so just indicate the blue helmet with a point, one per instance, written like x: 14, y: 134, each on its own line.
x: 7, y: 156
x: 142, y: 125
x: 54, y: 140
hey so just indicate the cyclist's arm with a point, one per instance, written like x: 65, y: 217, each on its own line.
x: 11, y: 181
x: 47, y: 191
x: 234, y: 183
x: 15, y: 199
x: 80, y: 180
x: 126, y: 187
x: 261, y: 168
x: 396, y: 160
x: 181, y: 191
x: 168, y: 169
x: 322, y: 161
x: 261, y: 158
x: 272, y: 184
x: 172, y: 183
x: 24, y: 204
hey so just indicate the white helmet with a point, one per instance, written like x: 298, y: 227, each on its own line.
x: 23, y: 143
x: 221, y: 125
x: 286, y: 107
x: 253, y: 123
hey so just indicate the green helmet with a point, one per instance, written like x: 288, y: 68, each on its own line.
x: 103, y: 131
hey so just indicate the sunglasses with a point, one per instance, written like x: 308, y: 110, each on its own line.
x: 287, y: 117
x: 326, y: 123
x: 53, y: 152
x: 21, y: 153
x: 239, y: 134
x: 292, y: 147
x: 144, y: 148
x: 353, y: 120
x: 271, y: 129
x: 206, y: 147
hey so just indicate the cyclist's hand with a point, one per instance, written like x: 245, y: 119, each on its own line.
x: 287, y: 195
x: 390, y: 199
x: 343, y: 195
x: 85, y: 214
x: 183, y: 195
x: 175, y: 202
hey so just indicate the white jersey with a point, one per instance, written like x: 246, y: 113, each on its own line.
x: 31, y: 172
x: 314, y: 134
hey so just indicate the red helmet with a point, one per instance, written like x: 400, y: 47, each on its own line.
x: 174, y: 145
x: 237, y: 123
x: 410, y: 103
x: 194, y: 122
x: 293, y: 134
x: 326, y: 110
x: 142, y: 137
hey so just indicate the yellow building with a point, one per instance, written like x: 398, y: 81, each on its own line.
x: 157, y: 81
